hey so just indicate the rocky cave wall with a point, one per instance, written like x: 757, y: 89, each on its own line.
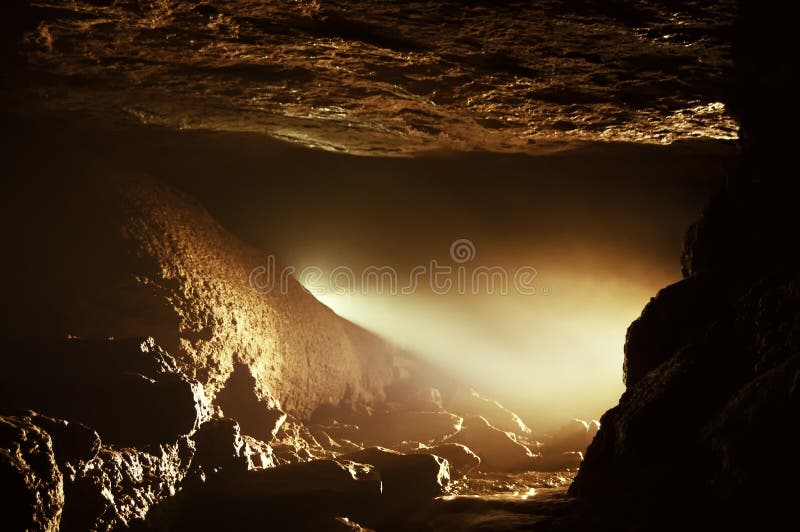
x: 705, y: 428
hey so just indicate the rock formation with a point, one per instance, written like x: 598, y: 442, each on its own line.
x: 146, y: 384
x: 713, y: 363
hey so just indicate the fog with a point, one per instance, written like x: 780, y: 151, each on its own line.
x: 601, y: 236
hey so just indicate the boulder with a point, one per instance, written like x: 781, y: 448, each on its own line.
x: 460, y: 457
x: 130, y: 391
x: 405, y: 476
x: 498, y: 450
x: 30, y: 481
x: 303, y: 496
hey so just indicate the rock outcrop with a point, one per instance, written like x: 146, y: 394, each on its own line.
x: 31, y: 483
x: 712, y: 365
x: 497, y: 449
x: 115, y: 254
x: 131, y: 391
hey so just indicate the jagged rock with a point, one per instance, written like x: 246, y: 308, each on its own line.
x: 30, y: 481
x: 468, y: 402
x: 259, y: 453
x: 677, y: 316
x: 119, y: 487
x: 259, y: 417
x: 130, y: 391
x: 406, y: 476
x: 498, y: 450
x: 219, y: 445
x: 72, y: 442
x: 460, y: 457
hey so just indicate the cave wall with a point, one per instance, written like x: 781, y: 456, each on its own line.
x: 704, y: 428
x: 99, y: 253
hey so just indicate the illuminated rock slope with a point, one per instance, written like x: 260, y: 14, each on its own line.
x: 208, y: 387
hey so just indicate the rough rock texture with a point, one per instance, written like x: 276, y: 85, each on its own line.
x: 138, y: 258
x: 130, y: 391
x: 713, y: 364
x: 118, y: 488
x: 239, y: 399
x: 30, y: 481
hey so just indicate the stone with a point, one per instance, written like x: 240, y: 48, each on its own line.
x: 396, y: 427
x: 258, y: 416
x: 405, y: 476
x: 73, y: 442
x: 137, y: 258
x: 498, y: 450
x: 121, y: 488
x: 713, y: 411
x: 219, y: 446
x: 460, y: 457
x: 259, y: 453
x: 30, y: 482
x: 117, y: 387
x: 678, y: 315
x: 468, y: 402
x: 302, y: 496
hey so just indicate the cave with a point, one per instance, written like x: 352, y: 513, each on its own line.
x: 428, y: 265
